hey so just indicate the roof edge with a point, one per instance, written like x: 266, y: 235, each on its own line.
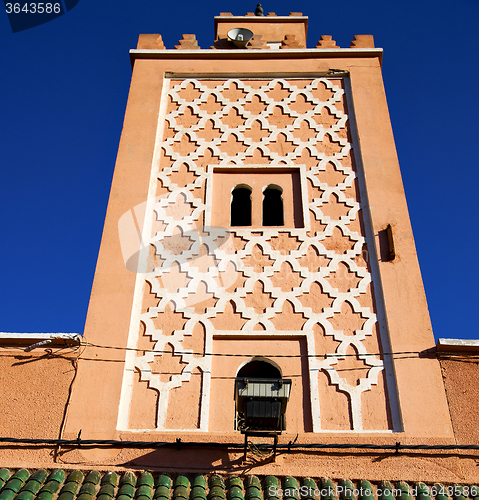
x: 32, y: 340
x: 457, y: 345
x: 259, y: 53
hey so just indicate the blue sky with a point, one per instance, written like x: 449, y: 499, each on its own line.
x: 64, y: 90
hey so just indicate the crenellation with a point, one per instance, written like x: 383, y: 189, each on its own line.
x: 290, y: 42
x: 326, y: 42
x: 257, y: 42
x: 188, y: 42
x: 362, y: 41
x: 150, y: 41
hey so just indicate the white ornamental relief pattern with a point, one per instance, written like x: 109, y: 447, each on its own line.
x: 202, y: 271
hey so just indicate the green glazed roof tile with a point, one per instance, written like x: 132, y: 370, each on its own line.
x: 216, y: 491
x: 70, y: 487
x: 103, y: 496
x: 57, y: 475
x: 82, y: 495
x: 39, y: 475
x: 234, y: 481
x: 45, y: 495
x: 308, y: 482
x: 110, y: 478
x: 163, y: 480
x: 75, y: 476
x: 216, y: 480
x: 328, y: 488
x: 271, y: 492
x: 32, y: 486
x: 235, y: 492
x: 14, y: 484
x: 66, y: 495
x: 162, y: 492
x: 199, y: 480
x: 146, y: 479
x: 107, y: 489
x: 25, y: 495
x: 50, y: 487
x: 128, y: 478
x: 7, y: 494
x: 180, y: 492
x: 4, y: 475
x: 123, y: 497
x: 347, y: 492
x: 404, y: 491
x: 290, y: 482
x: 252, y: 492
x: 308, y: 489
x: 423, y: 492
x: 439, y: 491
x: 22, y: 474
x: 89, y: 489
x: 385, y: 491
x: 403, y: 486
x: 366, y: 491
x: 290, y: 488
x: 144, y: 491
x: 93, y: 477
x: 270, y: 481
x: 475, y: 492
x: 197, y: 492
x: 127, y: 489
x: 252, y: 481
x: 181, y: 480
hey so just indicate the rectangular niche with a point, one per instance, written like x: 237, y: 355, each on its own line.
x: 288, y: 182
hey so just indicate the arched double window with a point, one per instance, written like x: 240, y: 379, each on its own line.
x: 272, y: 206
x: 241, y: 206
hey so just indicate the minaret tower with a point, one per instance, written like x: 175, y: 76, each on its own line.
x: 257, y: 229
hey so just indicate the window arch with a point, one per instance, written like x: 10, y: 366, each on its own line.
x: 261, y: 395
x: 273, y: 212
x: 241, y: 205
x: 258, y: 367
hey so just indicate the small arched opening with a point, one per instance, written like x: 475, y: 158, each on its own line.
x: 273, y: 211
x: 259, y: 368
x: 241, y: 206
x: 261, y: 396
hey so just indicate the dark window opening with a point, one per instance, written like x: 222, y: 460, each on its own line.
x: 273, y: 206
x: 258, y: 369
x: 241, y: 207
x: 261, y: 395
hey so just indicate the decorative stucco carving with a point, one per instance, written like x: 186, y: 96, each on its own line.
x: 207, y: 272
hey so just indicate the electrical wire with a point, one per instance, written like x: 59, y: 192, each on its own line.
x: 430, y: 353
x: 179, y: 444
x: 421, y: 354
